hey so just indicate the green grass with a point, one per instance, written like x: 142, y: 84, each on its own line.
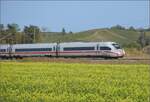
x: 119, y: 36
x: 60, y: 82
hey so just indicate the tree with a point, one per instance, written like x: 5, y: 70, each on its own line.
x: 28, y: 36
x: 70, y: 32
x: 119, y: 27
x: 1, y: 27
x: 2, y: 30
x: 32, y: 34
x: 13, y: 28
x: 63, y: 31
x: 11, y: 33
x: 142, y: 39
x: 132, y: 28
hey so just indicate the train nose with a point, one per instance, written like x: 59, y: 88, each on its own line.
x: 121, y: 53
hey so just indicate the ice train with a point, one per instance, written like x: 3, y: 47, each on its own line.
x: 68, y: 49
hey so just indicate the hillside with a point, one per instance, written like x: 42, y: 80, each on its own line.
x: 120, y: 36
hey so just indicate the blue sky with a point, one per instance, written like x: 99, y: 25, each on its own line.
x: 75, y: 15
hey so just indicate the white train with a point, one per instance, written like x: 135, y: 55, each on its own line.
x: 71, y: 49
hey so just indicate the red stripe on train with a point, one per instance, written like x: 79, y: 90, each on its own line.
x: 53, y: 52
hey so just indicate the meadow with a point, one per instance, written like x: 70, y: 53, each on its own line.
x: 62, y: 82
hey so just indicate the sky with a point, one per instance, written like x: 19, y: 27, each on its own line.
x: 74, y: 15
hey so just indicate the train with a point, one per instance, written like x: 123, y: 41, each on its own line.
x: 66, y: 49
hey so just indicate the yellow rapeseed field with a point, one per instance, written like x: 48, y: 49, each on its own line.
x: 62, y: 82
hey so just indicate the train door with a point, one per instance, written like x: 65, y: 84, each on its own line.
x: 9, y: 50
x: 57, y: 50
x: 97, y: 50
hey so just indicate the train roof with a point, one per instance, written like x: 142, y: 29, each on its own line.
x: 87, y: 43
x: 37, y: 45
x: 63, y: 43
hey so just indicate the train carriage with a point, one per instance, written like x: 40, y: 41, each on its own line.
x: 4, y: 50
x: 77, y: 49
x: 45, y: 49
x: 69, y: 49
x: 91, y: 49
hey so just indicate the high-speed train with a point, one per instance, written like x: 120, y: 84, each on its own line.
x: 68, y: 49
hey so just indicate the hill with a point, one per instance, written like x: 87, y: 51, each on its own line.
x: 120, y: 36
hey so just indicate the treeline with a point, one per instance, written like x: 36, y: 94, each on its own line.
x: 142, y: 40
x: 131, y: 28
x: 12, y: 34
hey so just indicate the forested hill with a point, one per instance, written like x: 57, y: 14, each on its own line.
x: 11, y: 34
x: 116, y: 35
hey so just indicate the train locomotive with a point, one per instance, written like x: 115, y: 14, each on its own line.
x: 68, y: 49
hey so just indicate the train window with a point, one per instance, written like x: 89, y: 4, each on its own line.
x: 33, y: 49
x: 78, y: 48
x: 105, y: 48
x: 2, y: 50
x: 116, y: 46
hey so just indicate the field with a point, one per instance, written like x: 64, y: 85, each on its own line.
x: 120, y: 36
x: 62, y: 82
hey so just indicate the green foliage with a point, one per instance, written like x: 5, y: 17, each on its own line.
x: 59, y: 82
x: 142, y: 39
x: 2, y: 30
x: 119, y: 27
x: 10, y: 34
x: 13, y: 28
x: 63, y: 31
x: 1, y: 27
x: 132, y: 28
x: 132, y: 45
x: 70, y: 32
x: 120, y: 36
x: 32, y: 34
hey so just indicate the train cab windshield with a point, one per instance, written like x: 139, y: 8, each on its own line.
x: 117, y: 46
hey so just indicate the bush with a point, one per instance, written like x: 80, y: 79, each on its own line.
x: 132, y: 45
x: 147, y: 49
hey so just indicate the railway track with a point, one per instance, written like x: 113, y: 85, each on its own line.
x: 126, y: 58
x: 84, y: 60
x: 135, y: 59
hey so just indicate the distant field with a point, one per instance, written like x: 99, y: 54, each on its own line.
x: 60, y: 82
x: 120, y: 36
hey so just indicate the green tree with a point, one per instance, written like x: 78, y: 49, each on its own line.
x: 32, y: 34
x: 2, y: 30
x: 10, y: 34
x: 13, y: 28
x: 70, y: 32
x: 1, y: 27
x: 63, y: 31
x: 119, y: 27
x: 142, y: 39
x: 132, y: 28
